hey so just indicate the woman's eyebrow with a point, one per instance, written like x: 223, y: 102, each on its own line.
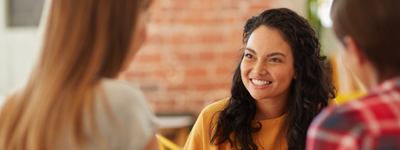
x: 269, y: 55
x: 275, y: 53
x: 251, y: 50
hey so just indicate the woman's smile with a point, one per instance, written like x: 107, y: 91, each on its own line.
x: 260, y: 83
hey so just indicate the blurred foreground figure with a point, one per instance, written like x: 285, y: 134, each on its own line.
x: 71, y: 100
x: 369, y: 33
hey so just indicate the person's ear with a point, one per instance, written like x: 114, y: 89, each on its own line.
x: 353, y: 49
x: 295, y: 75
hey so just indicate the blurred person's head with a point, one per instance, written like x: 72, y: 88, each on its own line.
x: 84, y: 41
x: 369, y: 35
x: 281, y: 59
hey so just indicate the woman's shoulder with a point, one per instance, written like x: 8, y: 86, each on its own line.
x: 124, y: 98
x: 122, y: 91
x: 127, y: 106
x: 198, y: 137
x: 215, y: 107
x: 118, y: 86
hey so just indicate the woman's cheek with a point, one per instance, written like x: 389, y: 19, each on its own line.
x: 281, y: 76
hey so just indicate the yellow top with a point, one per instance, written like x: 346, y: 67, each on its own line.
x: 272, y: 136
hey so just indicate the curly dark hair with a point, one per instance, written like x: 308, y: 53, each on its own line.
x: 309, y: 93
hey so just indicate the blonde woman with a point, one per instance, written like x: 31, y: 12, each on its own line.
x: 71, y: 100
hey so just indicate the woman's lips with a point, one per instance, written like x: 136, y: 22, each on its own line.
x: 260, y: 84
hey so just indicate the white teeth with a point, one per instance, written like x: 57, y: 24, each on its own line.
x: 260, y: 82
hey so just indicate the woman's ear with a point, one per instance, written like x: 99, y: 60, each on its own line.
x: 295, y: 75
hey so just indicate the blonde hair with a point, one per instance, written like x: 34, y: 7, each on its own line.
x: 84, y: 41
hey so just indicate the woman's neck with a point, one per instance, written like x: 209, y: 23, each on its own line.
x: 271, y: 108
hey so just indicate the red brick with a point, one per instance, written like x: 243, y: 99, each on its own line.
x: 229, y: 6
x: 210, y: 86
x: 212, y: 38
x: 175, y: 20
x: 183, y: 56
x: 261, y: 6
x: 231, y: 55
x: 228, y: 19
x: 203, y: 6
x: 165, y: 103
x: 156, y: 39
x: 156, y: 21
x: 149, y: 57
x: 160, y: 74
x: 176, y: 5
x: 194, y: 103
x: 206, y: 56
x: 181, y: 39
x: 178, y: 88
x: 235, y: 37
x: 196, y: 72
x: 224, y: 70
x: 195, y: 20
x: 134, y: 74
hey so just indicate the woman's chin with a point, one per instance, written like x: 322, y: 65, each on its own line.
x: 258, y: 97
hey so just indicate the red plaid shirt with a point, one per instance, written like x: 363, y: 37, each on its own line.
x: 372, y: 122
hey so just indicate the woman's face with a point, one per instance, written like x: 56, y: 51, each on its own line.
x: 267, y: 66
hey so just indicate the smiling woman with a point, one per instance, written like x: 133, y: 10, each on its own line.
x: 278, y: 87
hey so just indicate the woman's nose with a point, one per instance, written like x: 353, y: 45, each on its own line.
x: 260, y: 69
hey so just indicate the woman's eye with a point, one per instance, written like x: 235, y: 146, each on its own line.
x: 248, y: 55
x: 276, y: 60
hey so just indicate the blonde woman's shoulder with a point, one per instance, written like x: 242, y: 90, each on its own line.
x: 215, y: 107
x: 118, y: 85
x: 122, y: 91
x: 132, y: 113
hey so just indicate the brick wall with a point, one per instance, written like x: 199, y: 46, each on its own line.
x: 191, y: 52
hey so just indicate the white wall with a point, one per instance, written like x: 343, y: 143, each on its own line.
x: 17, y: 49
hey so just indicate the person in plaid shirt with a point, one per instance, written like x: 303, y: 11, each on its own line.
x: 369, y: 35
